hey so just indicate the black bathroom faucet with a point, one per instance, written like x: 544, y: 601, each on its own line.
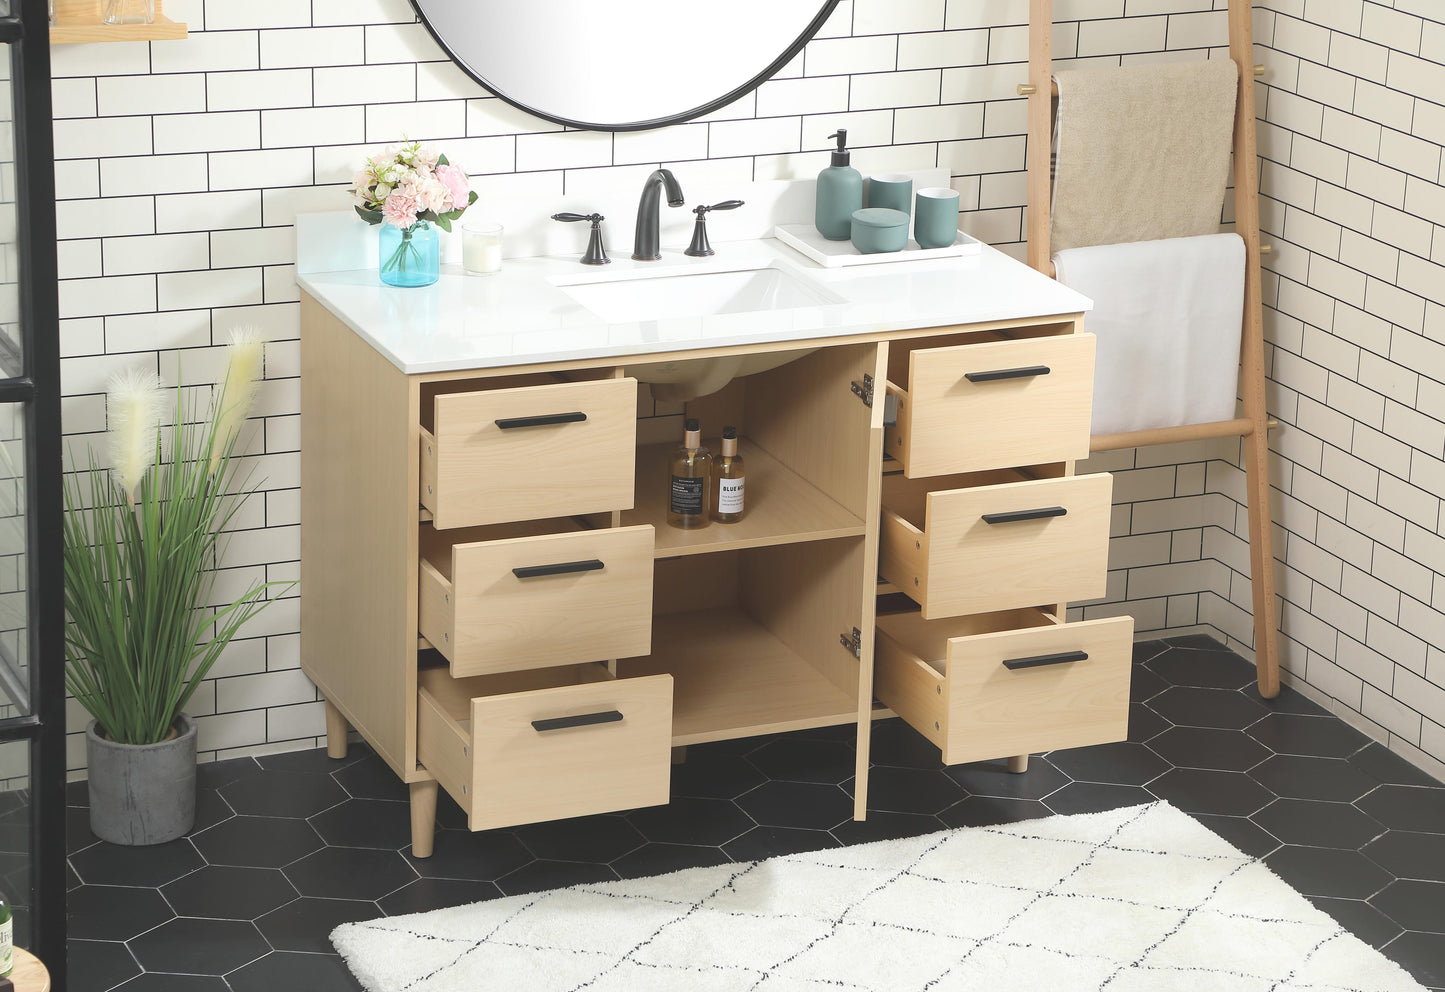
x: 645, y: 242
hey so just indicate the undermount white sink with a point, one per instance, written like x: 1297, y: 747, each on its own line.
x: 696, y: 294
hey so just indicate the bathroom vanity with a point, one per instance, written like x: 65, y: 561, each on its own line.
x: 492, y: 596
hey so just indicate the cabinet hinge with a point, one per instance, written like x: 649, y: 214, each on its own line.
x: 865, y: 391
x: 853, y: 642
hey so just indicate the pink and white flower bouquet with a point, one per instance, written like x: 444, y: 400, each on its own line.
x: 410, y: 182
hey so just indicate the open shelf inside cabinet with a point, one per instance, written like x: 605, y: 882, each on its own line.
x: 782, y: 506
x: 751, y: 639
x: 79, y: 21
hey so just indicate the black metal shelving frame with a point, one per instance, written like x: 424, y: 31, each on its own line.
x: 36, y: 385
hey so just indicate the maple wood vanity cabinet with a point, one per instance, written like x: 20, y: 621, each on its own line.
x: 493, y: 599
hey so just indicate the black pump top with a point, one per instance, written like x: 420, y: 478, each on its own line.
x: 841, y: 156
x: 692, y: 424
x: 730, y: 432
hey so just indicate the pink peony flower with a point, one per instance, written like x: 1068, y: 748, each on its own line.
x: 433, y: 195
x: 400, y: 209
x: 456, y: 183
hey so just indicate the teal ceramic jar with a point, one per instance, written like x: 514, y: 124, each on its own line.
x: 878, y: 229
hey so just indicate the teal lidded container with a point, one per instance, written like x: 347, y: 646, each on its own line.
x: 840, y: 192
x: 879, y: 229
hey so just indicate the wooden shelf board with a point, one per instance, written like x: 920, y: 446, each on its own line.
x: 161, y: 29
x: 781, y: 508
x: 732, y: 678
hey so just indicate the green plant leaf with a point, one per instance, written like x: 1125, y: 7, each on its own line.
x: 442, y: 159
x: 370, y: 216
x: 444, y: 221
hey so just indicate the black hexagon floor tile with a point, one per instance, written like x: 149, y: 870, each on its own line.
x: 349, y: 873
x: 1202, y: 669
x: 1202, y: 790
x: 1327, y: 779
x: 661, y: 858
x: 1321, y: 736
x: 1186, y: 706
x: 114, y: 912
x: 802, y: 760
x: 257, y: 841
x: 1405, y: 807
x: 1203, y: 747
x: 1123, y: 763
x: 987, y: 811
x: 483, y: 856
x: 365, y: 823
x: 710, y: 773
x: 1412, y: 904
x: 305, y: 924
x: 911, y: 790
x: 227, y: 893
x: 1409, y: 855
x: 1322, y: 871
x: 290, y: 970
x: 278, y: 793
x: 109, y: 864
x: 691, y: 821
x: 199, y: 947
x: 797, y: 804
x: 993, y: 779
x: 598, y: 839
x: 1200, y: 761
x: 1422, y: 955
x: 427, y: 894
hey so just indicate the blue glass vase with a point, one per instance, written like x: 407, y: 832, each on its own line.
x: 409, y: 256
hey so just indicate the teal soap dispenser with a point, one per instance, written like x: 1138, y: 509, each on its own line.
x: 840, y: 192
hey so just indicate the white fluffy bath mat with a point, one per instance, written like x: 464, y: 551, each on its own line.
x: 1143, y: 899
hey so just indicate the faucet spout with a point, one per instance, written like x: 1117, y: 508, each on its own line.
x: 645, y: 244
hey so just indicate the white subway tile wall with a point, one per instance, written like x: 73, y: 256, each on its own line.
x: 1351, y: 115
x: 181, y: 165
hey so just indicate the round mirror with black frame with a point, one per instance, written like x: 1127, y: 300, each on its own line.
x: 621, y: 65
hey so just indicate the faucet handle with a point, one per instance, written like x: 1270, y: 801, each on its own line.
x: 596, y: 254
x: 724, y: 205
x: 700, y: 248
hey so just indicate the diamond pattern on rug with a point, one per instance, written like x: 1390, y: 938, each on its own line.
x: 1132, y: 899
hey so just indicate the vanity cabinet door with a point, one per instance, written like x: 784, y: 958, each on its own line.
x: 997, y: 547
x: 999, y: 404
x: 530, y: 452
x: 1000, y: 684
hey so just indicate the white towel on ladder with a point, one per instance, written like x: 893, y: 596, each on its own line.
x: 1167, y: 316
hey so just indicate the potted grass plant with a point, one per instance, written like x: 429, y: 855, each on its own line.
x: 142, y: 541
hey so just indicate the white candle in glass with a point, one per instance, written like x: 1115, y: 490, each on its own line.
x: 482, y: 247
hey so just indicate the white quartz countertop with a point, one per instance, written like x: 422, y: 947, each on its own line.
x: 523, y: 314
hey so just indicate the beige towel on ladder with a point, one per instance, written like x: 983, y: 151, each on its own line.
x: 1142, y: 153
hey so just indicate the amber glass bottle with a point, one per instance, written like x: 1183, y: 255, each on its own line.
x: 727, y: 480
x: 689, y: 470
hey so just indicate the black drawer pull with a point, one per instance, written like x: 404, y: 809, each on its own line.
x: 1038, y: 661
x: 1014, y: 516
x: 582, y: 720
x: 512, y: 423
x: 1027, y: 372
x: 561, y: 568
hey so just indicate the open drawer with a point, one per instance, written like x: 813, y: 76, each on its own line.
x: 1002, y: 684
x: 529, y: 452
x: 995, y: 404
x: 548, y: 744
x: 1000, y: 542
x: 537, y: 601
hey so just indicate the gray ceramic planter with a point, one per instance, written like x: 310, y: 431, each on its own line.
x: 142, y: 794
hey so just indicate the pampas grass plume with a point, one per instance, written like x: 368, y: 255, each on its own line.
x: 238, y: 392
x: 134, y: 404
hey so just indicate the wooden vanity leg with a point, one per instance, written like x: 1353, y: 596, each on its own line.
x: 336, y: 730
x: 1018, y: 764
x: 423, y: 817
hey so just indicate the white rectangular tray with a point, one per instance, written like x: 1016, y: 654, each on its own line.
x: 806, y: 239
